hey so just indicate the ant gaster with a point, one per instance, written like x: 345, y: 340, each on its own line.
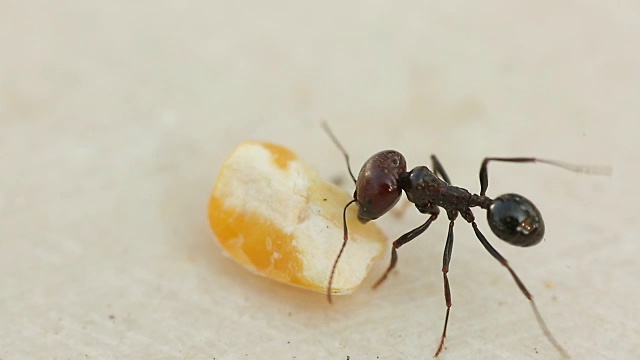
x: 511, y: 217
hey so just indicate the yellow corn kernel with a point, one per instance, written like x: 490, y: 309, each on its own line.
x: 278, y: 218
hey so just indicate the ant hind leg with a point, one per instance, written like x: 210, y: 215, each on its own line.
x: 584, y: 169
x: 496, y: 255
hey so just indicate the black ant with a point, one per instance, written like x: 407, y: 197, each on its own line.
x: 511, y: 217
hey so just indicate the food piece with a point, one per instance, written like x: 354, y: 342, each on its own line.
x: 278, y: 218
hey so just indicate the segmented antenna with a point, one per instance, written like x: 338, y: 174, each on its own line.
x: 326, y: 128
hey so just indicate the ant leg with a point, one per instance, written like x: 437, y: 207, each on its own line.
x: 484, y: 178
x: 524, y: 290
x: 439, y: 170
x: 446, y: 258
x: 431, y: 209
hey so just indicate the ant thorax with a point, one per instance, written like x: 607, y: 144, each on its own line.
x: 423, y: 187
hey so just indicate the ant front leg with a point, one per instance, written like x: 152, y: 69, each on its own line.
x: 429, y: 209
x: 439, y: 170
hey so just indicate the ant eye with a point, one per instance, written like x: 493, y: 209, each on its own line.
x: 377, y: 189
x: 515, y: 219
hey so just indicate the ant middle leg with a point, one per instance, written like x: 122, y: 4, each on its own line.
x: 446, y: 259
x: 429, y: 209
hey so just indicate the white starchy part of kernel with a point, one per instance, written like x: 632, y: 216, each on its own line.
x: 263, y: 188
x: 319, y: 241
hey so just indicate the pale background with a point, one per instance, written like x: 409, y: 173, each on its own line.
x: 115, y: 117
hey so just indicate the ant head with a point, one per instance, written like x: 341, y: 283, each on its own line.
x: 377, y: 189
x: 515, y: 219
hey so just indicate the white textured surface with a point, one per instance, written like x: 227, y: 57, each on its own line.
x: 115, y: 117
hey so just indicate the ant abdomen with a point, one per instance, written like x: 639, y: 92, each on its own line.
x: 514, y: 219
x: 377, y: 189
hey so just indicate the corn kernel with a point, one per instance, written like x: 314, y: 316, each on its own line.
x: 275, y: 215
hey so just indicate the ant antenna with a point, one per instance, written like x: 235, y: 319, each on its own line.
x: 326, y: 128
x: 344, y: 244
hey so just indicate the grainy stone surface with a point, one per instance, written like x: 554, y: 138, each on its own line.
x: 115, y: 117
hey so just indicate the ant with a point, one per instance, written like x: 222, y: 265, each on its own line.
x: 511, y: 217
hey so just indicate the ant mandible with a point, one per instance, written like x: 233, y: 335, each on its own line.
x: 511, y: 217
